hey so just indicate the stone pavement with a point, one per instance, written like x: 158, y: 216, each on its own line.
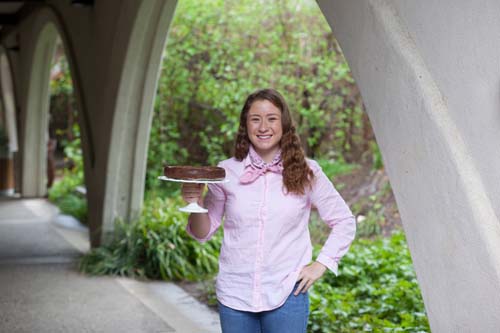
x: 41, y: 289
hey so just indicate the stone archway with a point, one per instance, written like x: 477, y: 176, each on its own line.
x: 35, y: 104
x: 34, y: 168
x: 449, y: 217
x: 8, y: 109
x: 127, y: 155
x: 8, y: 99
x: 418, y: 67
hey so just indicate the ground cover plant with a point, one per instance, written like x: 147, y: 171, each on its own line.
x: 155, y: 246
x: 376, y: 291
x: 63, y: 192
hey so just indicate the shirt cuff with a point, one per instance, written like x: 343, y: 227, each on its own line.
x: 331, y: 264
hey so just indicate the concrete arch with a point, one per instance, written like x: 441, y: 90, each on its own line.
x: 448, y: 215
x: 127, y: 155
x: 8, y: 99
x: 37, y: 98
x: 34, y: 151
x: 423, y: 126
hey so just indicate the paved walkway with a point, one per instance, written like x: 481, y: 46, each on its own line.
x: 42, y: 291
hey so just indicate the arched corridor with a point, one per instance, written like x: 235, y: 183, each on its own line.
x: 428, y: 73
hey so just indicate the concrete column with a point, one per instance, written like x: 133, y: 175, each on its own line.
x: 8, y: 111
x: 35, y: 108
x: 8, y: 100
x: 133, y: 110
x: 428, y: 73
x: 114, y: 50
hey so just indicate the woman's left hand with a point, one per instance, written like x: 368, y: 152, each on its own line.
x: 309, y: 275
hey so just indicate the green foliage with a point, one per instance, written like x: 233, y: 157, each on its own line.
x: 371, y: 212
x: 156, y: 246
x: 73, y: 151
x: 376, y: 291
x: 63, y: 192
x: 220, y: 52
x: 370, y: 224
x: 63, y: 110
x: 66, y: 187
x: 75, y: 205
x: 333, y: 168
x: 64, y: 128
x: 61, y: 84
x: 378, y: 162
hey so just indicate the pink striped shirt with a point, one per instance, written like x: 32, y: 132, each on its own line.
x: 266, y: 240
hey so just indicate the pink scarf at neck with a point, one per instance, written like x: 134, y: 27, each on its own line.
x: 258, y: 167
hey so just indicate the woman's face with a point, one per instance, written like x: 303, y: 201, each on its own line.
x: 264, y: 128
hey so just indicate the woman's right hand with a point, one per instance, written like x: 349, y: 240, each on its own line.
x: 192, y: 192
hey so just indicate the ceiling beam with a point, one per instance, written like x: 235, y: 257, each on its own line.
x: 82, y: 2
x: 11, y: 19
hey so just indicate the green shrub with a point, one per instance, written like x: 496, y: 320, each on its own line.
x: 338, y: 167
x: 240, y: 46
x: 66, y: 185
x: 156, y: 246
x: 376, y: 291
x: 378, y: 162
x: 63, y: 192
x: 74, y: 205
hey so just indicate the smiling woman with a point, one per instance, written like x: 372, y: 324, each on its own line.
x: 265, y: 267
x: 264, y: 128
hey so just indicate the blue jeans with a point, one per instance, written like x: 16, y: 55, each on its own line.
x: 291, y: 317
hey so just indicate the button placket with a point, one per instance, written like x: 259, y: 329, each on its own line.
x: 257, y: 299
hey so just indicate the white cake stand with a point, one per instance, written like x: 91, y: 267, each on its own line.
x: 193, y: 207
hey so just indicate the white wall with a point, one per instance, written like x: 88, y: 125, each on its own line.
x: 428, y: 72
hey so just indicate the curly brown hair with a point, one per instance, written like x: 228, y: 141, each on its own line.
x: 297, y: 176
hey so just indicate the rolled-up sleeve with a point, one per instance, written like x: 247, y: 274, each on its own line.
x: 214, y: 202
x: 336, y: 214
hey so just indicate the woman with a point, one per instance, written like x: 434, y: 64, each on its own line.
x: 265, y: 268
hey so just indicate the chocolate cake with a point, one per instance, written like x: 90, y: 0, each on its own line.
x: 185, y: 172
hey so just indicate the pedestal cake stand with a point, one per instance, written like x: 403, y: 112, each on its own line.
x: 193, y: 207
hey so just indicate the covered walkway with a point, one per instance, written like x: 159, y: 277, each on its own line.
x: 41, y: 289
x: 428, y: 72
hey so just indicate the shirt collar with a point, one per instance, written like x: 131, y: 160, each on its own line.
x: 253, y: 158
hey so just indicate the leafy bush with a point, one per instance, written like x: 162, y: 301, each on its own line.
x: 156, y: 246
x: 220, y: 52
x: 376, y: 291
x: 370, y: 225
x: 74, y: 205
x: 63, y: 192
x: 335, y: 167
x: 378, y: 162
